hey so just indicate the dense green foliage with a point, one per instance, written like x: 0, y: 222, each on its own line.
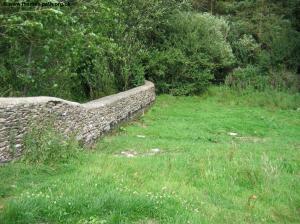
x: 98, y: 47
x: 77, y: 52
x: 265, y: 37
x: 202, y: 174
x: 194, y: 50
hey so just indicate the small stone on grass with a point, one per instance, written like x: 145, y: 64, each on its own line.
x: 132, y: 153
x: 155, y: 150
x: 129, y: 154
x: 232, y: 133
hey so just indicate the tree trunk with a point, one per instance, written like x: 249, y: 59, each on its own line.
x: 212, y: 7
x: 28, y: 67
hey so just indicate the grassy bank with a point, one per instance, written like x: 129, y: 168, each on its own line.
x: 220, y: 158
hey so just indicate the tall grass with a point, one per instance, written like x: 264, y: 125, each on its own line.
x: 269, y: 98
x: 47, y: 146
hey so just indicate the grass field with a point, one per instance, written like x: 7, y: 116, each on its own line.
x: 218, y: 158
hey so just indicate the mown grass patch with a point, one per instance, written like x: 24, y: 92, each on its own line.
x: 221, y: 159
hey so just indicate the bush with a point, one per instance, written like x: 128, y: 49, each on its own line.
x: 281, y: 45
x: 249, y: 77
x: 195, y: 50
x: 284, y: 80
x: 246, y: 50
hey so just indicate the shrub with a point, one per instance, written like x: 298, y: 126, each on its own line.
x: 281, y: 44
x: 196, y: 49
x: 246, y: 50
x: 249, y: 77
x: 284, y: 80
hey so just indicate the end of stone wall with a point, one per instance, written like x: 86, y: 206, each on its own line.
x: 87, y: 121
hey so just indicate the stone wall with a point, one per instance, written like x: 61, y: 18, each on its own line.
x: 87, y: 121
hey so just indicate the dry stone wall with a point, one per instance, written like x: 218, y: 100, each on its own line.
x: 87, y: 121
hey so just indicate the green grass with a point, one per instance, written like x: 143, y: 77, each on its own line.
x: 201, y: 174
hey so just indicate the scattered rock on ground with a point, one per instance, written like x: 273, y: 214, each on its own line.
x: 132, y: 153
x: 155, y: 150
x: 232, y: 133
x: 147, y: 221
x: 252, y: 139
x: 129, y: 154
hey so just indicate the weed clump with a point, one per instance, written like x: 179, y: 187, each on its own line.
x: 49, y: 147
